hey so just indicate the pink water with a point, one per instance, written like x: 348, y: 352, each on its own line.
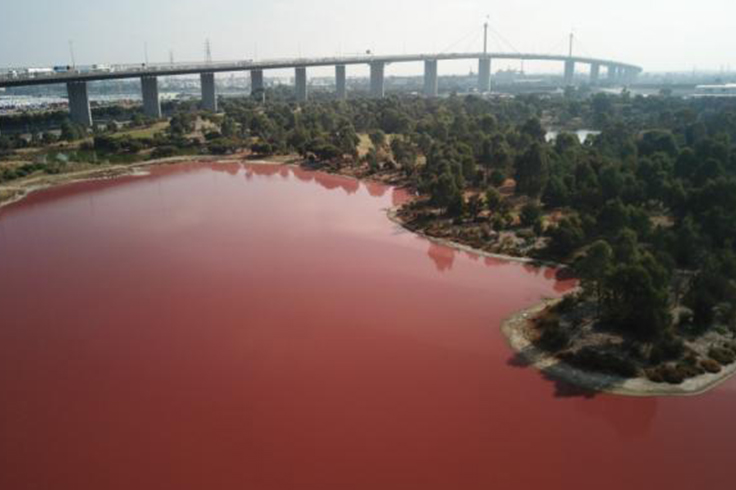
x: 228, y: 327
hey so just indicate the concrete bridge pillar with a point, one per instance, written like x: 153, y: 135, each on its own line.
x: 612, y: 73
x: 301, y: 84
x: 378, y: 82
x: 151, y: 101
x: 341, y: 82
x: 256, y: 82
x: 79, y: 111
x: 595, y: 73
x: 628, y: 75
x: 484, y: 75
x: 569, y: 73
x: 209, y: 94
x: 431, y: 81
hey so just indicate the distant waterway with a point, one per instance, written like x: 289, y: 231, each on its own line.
x: 582, y: 134
x: 30, y: 102
x: 269, y: 328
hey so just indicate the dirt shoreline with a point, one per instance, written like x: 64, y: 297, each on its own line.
x: 395, y: 218
x: 517, y: 328
x: 518, y: 332
x: 14, y: 192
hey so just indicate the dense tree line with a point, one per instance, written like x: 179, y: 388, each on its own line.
x: 650, y: 199
x: 646, y: 210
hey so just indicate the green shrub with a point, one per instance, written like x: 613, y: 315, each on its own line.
x: 654, y: 375
x: 689, y: 371
x: 722, y: 356
x: 670, y: 373
x: 164, y: 152
x: 711, y: 366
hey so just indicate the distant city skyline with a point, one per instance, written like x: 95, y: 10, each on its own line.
x: 658, y: 35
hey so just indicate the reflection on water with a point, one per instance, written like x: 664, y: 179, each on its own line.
x: 266, y: 327
x: 443, y: 257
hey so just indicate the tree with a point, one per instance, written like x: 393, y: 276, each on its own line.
x: 556, y: 193
x: 378, y: 138
x: 262, y: 149
x: 446, y: 194
x: 497, y: 178
x: 534, y: 130
x: 71, y: 131
x: 566, y: 237
x: 493, y: 199
x: 372, y: 159
x: 634, y: 304
x: 405, y: 154
x: 613, y: 218
x: 530, y: 214
x: 657, y: 141
x: 594, y: 267
x: 626, y: 246
x: 566, y: 142
x: 532, y: 171
x: 346, y: 140
x: 228, y: 127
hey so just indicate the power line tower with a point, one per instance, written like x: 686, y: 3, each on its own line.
x: 572, y: 40
x: 71, y: 52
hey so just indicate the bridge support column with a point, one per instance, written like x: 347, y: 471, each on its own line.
x: 341, y: 82
x: 569, y: 73
x: 209, y: 94
x: 595, y: 73
x: 256, y: 82
x: 378, y: 87
x: 431, y: 81
x: 301, y: 84
x: 484, y: 75
x: 628, y: 75
x: 612, y: 74
x: 79, y: 111
x: 151, y: 101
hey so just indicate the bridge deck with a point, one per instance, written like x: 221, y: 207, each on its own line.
x: 119, y: 72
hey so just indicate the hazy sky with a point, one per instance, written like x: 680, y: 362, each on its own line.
x: 660, y: 35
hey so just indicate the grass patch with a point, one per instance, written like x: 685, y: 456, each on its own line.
x: 140, y: 133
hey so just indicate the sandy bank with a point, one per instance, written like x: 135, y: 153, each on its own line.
x: 17, y: 190
x: 519, y: 332
x: 394, y: 216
